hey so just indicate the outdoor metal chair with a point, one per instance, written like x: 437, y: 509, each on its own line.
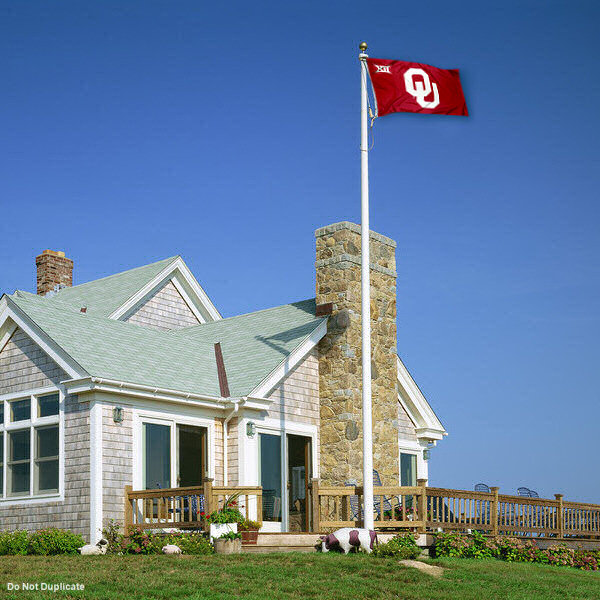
x: 387, y: 504
x: 535, y: 510
x: 355, y: 509
x: 483, y: 506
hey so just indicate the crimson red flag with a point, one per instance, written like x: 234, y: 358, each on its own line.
x: 414, y: 87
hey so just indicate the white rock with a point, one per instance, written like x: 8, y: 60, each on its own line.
x: 94, y: 549
x: 171, y: 549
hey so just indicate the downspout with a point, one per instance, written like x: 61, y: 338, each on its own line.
x: 225, y: 394
x: 234, y: 410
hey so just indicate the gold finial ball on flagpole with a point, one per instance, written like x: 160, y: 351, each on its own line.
x: 362, y: 46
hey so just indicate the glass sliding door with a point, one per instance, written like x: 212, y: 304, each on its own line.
x: 191, y: 453
x: 156, y: 452
x: 269, y: 452
x: 298, y: 476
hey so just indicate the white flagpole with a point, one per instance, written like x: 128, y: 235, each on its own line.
x: 365, y: 297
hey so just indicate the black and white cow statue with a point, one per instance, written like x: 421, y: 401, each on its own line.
x: 348, y: 538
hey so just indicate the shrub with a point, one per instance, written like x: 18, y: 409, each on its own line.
x: 190, y: 543
x: 112, y: 534
x: 586, y: 560
x: 400, y: 546
x: 460, y: 545
x: 230, y: 535
x: 451, y: 544
x: 143, y: 542
x: 226, y: 515
x: 14, y: 542
x: 247, y: 525
x: 47, y: 542
x: 230, y: 512
x: 140, y: 542
x: 44, y: 542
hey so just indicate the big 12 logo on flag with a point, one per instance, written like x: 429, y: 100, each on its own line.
x: 414, y: 87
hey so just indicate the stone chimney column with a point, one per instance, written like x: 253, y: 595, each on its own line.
x: 338, y: 274
x: 53, y: 269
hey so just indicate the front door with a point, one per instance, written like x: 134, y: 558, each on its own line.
x: 299, y: 474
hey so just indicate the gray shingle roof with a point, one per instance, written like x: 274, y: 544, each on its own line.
x: 103, y: 296
x: 253, y: 344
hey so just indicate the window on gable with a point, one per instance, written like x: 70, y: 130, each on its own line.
x: 30, y: 446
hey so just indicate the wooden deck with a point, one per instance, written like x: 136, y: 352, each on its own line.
x: 419, y: 508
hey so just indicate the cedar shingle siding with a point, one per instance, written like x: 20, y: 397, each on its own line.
x: 24, y: 367
x: 165, y: 310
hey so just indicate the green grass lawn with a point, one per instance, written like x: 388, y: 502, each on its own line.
x: 329, y: 576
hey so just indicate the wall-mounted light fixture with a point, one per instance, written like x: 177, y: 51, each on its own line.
x: 426, y: 454
x: 118, y: 414
x: 250, y: 429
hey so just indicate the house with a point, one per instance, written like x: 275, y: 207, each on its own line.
x: 136, y: 379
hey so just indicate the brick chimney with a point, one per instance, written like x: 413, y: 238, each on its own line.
x: 53, y: 269
x: 340, y: 373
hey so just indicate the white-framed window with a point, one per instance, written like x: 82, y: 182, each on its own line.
x: 408, y: 468
x: 30, y: 445
x: 174, y: 453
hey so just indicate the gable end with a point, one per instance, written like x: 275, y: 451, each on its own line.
x: 25, y: 366
x: 166, y: 309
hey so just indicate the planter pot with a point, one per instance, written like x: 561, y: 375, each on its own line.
x: 228, y: 546
x: 219, y: 529
x: 249, y: 536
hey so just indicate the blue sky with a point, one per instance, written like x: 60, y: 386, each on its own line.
x: 229, y: 133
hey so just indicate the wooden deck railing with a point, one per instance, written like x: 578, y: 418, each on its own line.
x: 416, y: 508
x: 420, y: 508
x: 183, y: 508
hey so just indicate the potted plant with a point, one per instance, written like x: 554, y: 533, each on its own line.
x: 228, y: 543
x: 225, y: 520
x: 249, y: 530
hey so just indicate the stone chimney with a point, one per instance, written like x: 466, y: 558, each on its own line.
x: 53, y: 269
x: 338, y: 282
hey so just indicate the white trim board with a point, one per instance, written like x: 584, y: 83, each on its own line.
x: 427, y: 425
x: 44, y: 341
x: 96, y: 483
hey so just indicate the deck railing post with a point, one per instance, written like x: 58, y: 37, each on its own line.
x: 560, y: 523
x: 208, y: 498
x: 422, y: 511
x: 259, y: 506
x: 128, y: 514
x: 494, y: 510
x: 316, y: 513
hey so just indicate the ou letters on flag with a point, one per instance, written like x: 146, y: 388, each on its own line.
x: 414, y: 87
